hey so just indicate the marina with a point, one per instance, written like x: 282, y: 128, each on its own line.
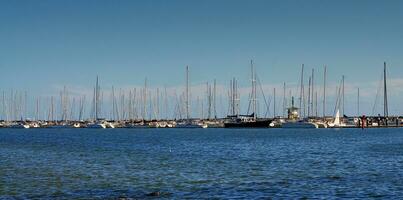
x: 228, y: 99
x: 242, y: 122
x: 142, y: 109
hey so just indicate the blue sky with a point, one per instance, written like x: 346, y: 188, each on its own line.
x: 46, y: 44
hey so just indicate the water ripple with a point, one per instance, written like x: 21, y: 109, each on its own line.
x: 200, y: 164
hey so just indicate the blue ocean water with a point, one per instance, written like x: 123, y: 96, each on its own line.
x: 201, y: 163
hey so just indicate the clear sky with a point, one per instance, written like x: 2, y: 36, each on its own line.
x: 46, y: 44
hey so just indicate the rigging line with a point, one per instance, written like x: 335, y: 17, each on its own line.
x: 177, y: 106
x: 264, y: 97
x: 337, y: 104
x: 268, y: 107
x: 250, y: 102
x: 261, y: 89
x: 377, y: 96
x: 338, y: 93
x: 229, y: 103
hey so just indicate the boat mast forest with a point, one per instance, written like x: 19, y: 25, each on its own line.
x: 147, y: 104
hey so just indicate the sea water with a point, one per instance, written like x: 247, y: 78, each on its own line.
x: 201, y: 163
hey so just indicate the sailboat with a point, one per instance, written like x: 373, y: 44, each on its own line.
x: 187, y: 123
x: 98, y: 122
x: 19, y: 125
x: 247, y: 121
x: 337, y: 122
x: 293, y: 120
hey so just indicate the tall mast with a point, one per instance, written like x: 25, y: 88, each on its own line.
x: 145, y: 99
x: 215, y: 99
x: 208, y: 95
x: 129, y: 105
x: 72, y: 108
x: 25, y: 105
x: 301, y: 92
x: 208, y: 101
x: 316, y: 104
x: 158, y: 104
x: 52, y: 108
x: 166, y: 102
x: 93, y: 104
x: 187, y: 93
x: 309, y: 96
x: 4, y: 106
x: 358, y: 102
x: 274, y: 102
x: 324, y: 92
x: 343, y: 96
x: 385, y: 94
x: 96, y: 99
x: 113, y: 103
x: 255, y: 97
x: 312, y: 93
x: 253, y: 89
x: 237, y: 98
x: 37, y: 109
x: 284, y: 100
x: 233, y: 96
x: 150, y: 108
x: 80, y: 116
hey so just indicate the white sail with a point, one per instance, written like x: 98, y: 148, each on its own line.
x: 337, y: 122
x: 337, y: 118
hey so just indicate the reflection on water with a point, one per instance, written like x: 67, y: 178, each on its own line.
x: 200, y: 163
